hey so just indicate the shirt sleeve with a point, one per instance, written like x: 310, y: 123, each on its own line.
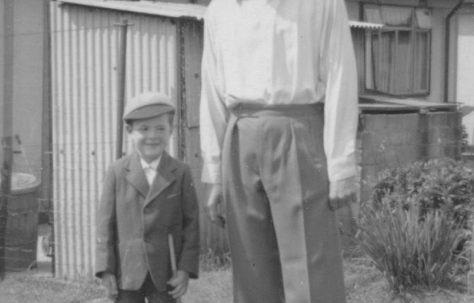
x: 341, y: 97
x: 213, y: 112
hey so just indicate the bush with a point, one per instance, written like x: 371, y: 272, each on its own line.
x: 443, y: 184
x: 410, y: 252
x: 212, y: 260
x: 415, y: 227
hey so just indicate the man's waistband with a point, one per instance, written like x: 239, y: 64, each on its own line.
x: 258, y: 110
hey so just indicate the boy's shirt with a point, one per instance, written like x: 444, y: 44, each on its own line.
x: 150, y: 169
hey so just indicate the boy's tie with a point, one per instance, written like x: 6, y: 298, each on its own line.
x: 150, y: 174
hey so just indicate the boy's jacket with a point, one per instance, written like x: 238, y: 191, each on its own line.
x: 134, y: 220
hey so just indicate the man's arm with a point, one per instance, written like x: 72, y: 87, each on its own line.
x: 214, y: 115
x: 341, y: 105
x: 213, y: 112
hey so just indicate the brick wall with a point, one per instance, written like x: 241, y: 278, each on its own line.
x: 394, y: 140
x: 389, y: 140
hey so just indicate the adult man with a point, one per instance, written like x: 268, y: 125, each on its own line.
x: 278, y: 127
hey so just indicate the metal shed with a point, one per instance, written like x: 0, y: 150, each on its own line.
x: 164, y: 49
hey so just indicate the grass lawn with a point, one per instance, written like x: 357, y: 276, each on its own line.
x: 364, y: 284
x: 30, y: 287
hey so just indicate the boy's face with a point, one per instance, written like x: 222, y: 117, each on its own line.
x: 150, y: 136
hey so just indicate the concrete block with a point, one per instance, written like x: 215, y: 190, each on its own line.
x: 435, y: 151
x: 370, y: 175
x: 406, y: 121
x: 399, y: 137
x: 375, y: 122
x: 452, y: 150
x: 453, y: 120
x: 367, y: 138
x: 438, y: 119
x: 394, y: 140
x: 359, y: 143
x: 373, y: 157
x: 405, y: 155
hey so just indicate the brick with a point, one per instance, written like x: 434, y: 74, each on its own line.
x: 371, y: 174
x: 439, y: 119
x: 453, y: 121
x: 452, y: 150
x: 393, y: 140
x: 435, y: 151
x: 370, y: 122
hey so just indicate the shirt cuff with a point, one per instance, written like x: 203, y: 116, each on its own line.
x: 341, y: 170
x: 211, y: 173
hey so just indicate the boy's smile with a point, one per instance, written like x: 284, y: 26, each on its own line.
x: 150, y: 136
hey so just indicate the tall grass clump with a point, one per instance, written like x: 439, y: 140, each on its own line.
x: 411, y: 252
x: 215, y: 260
x: 417, y: 223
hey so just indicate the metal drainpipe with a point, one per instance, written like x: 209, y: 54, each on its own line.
x: 7, y: 123
x: 447, y: 35
x: 46, y: 188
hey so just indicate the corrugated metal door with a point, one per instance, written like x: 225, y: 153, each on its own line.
x: 85, y: 48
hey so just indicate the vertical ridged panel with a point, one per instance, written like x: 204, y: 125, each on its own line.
x: 85, y: 50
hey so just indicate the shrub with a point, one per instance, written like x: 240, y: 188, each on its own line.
x: 417, y: 222
x: 410, y: 252
x: 212, y: 260
x: 443, y: 184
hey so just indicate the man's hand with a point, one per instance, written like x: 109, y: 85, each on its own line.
x: 212, y: 207
x: 110, y: 283
x: 342, y: 193
x: 179, y: 283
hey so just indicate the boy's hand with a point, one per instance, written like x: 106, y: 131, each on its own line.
x: 179, y: 283
x: 212, y: 207
x: 110, y: 283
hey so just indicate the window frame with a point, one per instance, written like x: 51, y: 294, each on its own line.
x: 370, y: 59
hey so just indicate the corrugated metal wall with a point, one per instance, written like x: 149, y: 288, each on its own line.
x: 85, y: 49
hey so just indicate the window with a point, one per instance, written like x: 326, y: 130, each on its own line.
x: 398, y: 55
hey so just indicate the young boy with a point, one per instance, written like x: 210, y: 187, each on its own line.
x: 147, y: 195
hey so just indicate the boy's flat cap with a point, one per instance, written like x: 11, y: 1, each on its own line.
x: 148, y: 105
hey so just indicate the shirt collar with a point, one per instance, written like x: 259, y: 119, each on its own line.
x: 153, y: 164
